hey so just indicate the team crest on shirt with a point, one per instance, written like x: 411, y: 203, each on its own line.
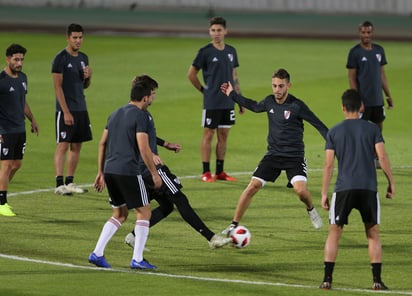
x: 5, y: 151
x: 230, y: 56
x: 63, y: 135
x: 286, y: 114
x: 379, y: 57
x: 24, y: 85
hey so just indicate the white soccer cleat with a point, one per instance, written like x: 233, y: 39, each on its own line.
x: 217, y: 241
x: 229, y: 229
x: 315, y: 218
x: 129, y: 240
x: 62, y: 190
x: 73, y: 188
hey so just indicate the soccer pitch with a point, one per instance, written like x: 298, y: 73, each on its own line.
x: 44, y: 249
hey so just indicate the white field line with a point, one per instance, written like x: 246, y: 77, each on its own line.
x: 68, y: 265
x: 184, y: 177
x: 195, y: 278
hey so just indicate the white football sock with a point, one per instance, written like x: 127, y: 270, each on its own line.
x: 109, y: 229
x: 141, y: 230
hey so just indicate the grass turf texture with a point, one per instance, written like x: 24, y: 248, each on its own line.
x: 285, y: 256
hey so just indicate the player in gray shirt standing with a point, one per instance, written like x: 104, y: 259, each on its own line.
x: 13, y: 109
x: 366, y: 72
x: 124, y: 140
x: 71, y: 75
x: 354, y: 143
x: 218, y: 62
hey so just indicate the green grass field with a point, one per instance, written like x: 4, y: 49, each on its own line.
x: 44, y: 249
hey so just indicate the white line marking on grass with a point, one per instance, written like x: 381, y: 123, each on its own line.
x: 12, y: 257
x: 196, y: 278
x: 184, y: 177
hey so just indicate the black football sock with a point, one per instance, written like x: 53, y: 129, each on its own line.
x: 3, y: 197
x: 328, y: 269
x: 219, y: 166
x: 69, y: 179
x: 59, y: 181
x: 235, y: 223
x: 376, y: 272
x: 206, y: 167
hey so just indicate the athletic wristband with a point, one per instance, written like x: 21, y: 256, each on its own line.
x: 160, y: 142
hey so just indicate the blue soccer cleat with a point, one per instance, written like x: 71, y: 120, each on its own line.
x: 98, y: 261
x: 141, y: 265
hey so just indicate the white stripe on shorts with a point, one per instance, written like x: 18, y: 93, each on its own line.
x: 332, y: 209
x: 59, y: 114
x: 143, y: 191
x: 169, y: 183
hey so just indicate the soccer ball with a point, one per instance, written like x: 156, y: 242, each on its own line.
x: 240, y: 236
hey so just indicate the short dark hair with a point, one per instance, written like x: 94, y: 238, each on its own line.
x: 146, y: 79
x: 140, y: 90
x: 351, y: 100
x: 365, y: 24
x: 15, y: 48
x: 74, y: 28
x: 281, y: 74
x: 217, y: 20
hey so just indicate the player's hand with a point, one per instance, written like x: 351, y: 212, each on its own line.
x: 87, y: 72
x: 173, y: 146
x: 226, y: 88
x: 325, y: 203
x: 242, y: 109
x: 68, y: 119
x: 229, y: 229
x: 390, y: 191
x: 34, y: 127
x: 99, y: 183
x: 390, y: 102
x: 157, y: 160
